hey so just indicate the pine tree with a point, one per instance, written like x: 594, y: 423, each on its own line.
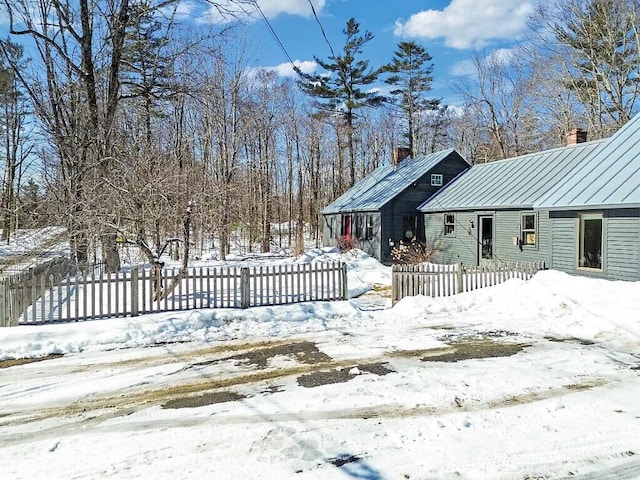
x: 14, y: 145
x: 148, y: 63
x: 411, y: 75
x: 341, y: 93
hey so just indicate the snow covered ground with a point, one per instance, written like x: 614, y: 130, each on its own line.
x: 29, y: 247
x: 525, y: 380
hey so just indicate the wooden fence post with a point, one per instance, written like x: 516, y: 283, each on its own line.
x: 345, y: 290
x: 394, y: 284
x: 245, y: 293
x: 134, y: 293
x: 4, y: 310
x: 458, y: 270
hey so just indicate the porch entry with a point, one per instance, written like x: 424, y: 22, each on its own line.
x: 485, y: 238
x: 409, y: 224
x: 346, y: 225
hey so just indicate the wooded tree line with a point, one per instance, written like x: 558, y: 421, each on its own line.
x: 127, y: 125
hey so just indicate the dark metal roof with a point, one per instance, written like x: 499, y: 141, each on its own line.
x: 610, y: 177
x: 518, y: 182
x: 385, y: 183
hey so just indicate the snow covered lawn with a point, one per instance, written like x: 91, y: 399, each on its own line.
x: 525, y: 380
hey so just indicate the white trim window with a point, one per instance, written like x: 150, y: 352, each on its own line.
x: 369, y: 228
x: 590, y: 241
x: 436, y: 179
x: 450, y: 224
x: 529, y: 230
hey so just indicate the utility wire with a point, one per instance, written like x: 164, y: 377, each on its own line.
x: 315, y: 15
x: 275, y: 35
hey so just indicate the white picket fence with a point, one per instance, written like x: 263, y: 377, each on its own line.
x: 443, y: 280
x: 53, y: 298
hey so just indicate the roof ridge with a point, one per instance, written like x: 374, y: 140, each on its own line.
x: 543, y: 152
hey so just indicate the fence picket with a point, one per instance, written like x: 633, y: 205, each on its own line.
x: 50, y: 289
x: 279, y: 284
x: 208, y: 290
x: 34, y: 292
x: 117, y: 290
x: 43, y: 298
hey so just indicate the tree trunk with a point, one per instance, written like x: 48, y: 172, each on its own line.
x: 110, y: 252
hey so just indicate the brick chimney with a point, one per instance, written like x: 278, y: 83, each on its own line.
x: 576, y: 135
x: 399, y: 154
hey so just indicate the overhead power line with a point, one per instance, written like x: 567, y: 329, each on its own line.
x: 275, y: 35
x: 315, y: 15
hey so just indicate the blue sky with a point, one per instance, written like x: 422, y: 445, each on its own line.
x: 450, y: 30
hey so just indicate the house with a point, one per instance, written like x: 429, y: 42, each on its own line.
x: 381, y: 209
x: 594, y: 214
x: 577, y: 208
x: 489, y: 213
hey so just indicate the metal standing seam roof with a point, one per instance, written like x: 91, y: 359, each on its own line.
x: 385, y: 183
x: 610, y: 177
x: 518, y: 182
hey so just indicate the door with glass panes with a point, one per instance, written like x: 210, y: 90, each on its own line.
x: 485, y: 239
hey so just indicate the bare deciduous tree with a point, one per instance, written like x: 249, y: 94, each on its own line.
x: 598, y: 45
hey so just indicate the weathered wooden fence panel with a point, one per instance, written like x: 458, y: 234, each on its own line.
x: 58, y: 298
x: 443, y: 280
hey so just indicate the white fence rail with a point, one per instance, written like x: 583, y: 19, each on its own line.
x: 53, y: 298
x: 443, y: 280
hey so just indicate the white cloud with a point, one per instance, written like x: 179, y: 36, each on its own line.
x: 272, y: 8
x: 467, y: 24
x: 286, y: 69
x: 226, y: 11
x: 468, y: 68
x: 464, y: 68
x: 501, y: 56
x: 455, y: 110
x: 181, y: 10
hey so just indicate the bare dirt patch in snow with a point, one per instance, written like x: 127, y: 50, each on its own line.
x: 466, y: 349
x: 303, y: 352
x: 340, y: 375
x: 23, y: 361
x: 208, y: 398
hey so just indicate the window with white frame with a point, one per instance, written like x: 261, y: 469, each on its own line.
x: 529, y: 230
x: 590, y: 241
x: 369, y: 228
x: 436, y: 179
x: 449, y: 224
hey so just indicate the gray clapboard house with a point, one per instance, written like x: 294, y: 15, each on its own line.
x: 489, y: 213
x: 381, y: 209
x: 577, y: 208
x: 594, y: 214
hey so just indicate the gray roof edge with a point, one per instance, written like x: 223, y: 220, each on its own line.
x: 598, y: 206
x: 480, y: 208
x: 333, y: 211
